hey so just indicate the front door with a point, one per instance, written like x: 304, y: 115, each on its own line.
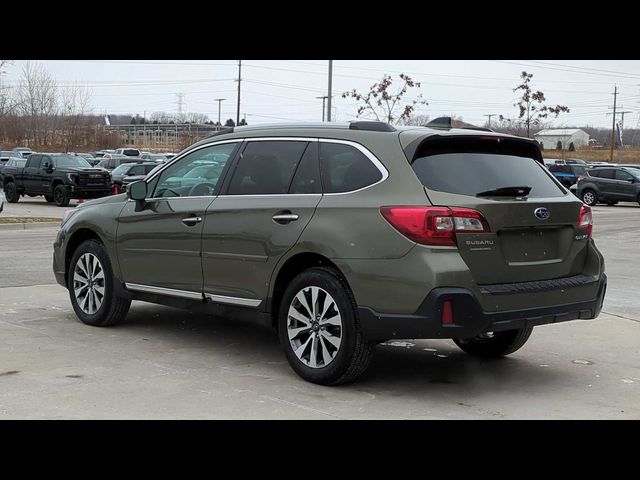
x: 625, y: 186
x: 267, y: 203
x: 159, y: 246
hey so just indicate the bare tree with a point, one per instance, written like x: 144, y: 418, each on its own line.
x: 7, y: 99
x: 193, y: 117
x: 532, y: 109
x: 379, y: 103
x: 38, y: 101
x: 416, y: 120
x: 74, y: 107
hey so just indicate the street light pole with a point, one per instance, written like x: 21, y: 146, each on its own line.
x: 324, y: 98
x: 219, y: 100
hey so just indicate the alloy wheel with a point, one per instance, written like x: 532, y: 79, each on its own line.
x: 314, y: 327
x: 88, y: 283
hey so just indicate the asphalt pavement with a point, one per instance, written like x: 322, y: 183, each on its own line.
x: 168, y: 363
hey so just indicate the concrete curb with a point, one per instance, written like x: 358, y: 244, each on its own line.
x: 29, y: 226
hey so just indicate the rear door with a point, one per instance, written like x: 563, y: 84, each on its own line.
x: 30, y: 173
x: 268, y: 201
x: 531, y: 237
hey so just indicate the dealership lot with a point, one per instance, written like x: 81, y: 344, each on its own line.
x: 166, y: 363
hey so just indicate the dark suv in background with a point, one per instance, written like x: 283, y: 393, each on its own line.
x: 567, y: 174
x: 609, y: 185
x: 343, y: 236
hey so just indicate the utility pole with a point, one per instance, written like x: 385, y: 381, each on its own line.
x: 239, y: 80
x: 324, y: 98
x: 329, y: 93
x: 490, y: 115
x: 613, y: 124
x: 219, y: 100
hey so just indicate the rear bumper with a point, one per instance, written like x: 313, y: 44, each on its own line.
x: 468, y: 317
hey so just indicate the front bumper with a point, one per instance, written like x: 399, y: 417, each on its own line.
x: 468, y: 318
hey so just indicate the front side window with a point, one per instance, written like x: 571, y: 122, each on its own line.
x: 266, y: 167
x: 196, y: 174
x: 344, y: 168
x: 622, y: 175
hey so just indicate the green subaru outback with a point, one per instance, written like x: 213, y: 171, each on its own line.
x: 344, y: 236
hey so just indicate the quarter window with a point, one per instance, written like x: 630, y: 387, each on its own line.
x: 266, y: 167
x: 344, y: 168
x: 196, y: 174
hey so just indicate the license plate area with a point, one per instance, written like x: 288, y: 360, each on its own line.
x: 533, y: 244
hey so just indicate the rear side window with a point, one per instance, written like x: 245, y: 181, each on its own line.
x: 307, y: 177
x: 344, y: 168
x: 266, y: 167
x: 606, y: 173
x: 472, y: 173
x: 594, y: 173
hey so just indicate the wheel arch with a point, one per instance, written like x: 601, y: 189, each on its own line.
x: 291, y: 267
x: 75, y: 240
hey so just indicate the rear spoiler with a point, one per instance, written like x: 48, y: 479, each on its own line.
x: 446, y: 123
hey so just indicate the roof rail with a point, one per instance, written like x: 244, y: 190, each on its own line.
x: 372, y: 126
x: 222, y: 131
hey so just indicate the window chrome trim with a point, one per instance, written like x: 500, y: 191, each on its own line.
x: 282, y: 139
x: 372, y: 158
x: 245, y: 302
x: 163, y: 291
x: 366, y: 152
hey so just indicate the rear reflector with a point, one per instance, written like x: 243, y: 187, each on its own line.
x: 585, y: 219
x: 434, y: 225
x: 447, y: 312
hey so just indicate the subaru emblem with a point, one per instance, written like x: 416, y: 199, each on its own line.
x: 542, y: 213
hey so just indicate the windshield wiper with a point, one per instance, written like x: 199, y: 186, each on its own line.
x: 516, y: 191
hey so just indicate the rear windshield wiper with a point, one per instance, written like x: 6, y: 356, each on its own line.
x: 517, y: 191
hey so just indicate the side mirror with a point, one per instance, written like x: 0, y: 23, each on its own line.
x: 137, y: 191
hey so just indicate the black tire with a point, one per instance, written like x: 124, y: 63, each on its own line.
x: 355, y: 352
x: 11, y: 192
x: 113, y: 308
x: 498, y: 344
x: 589, y: 197
x: 61, y: 196
x: 49, y: 198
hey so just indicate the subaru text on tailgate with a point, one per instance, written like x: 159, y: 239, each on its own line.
x: 343, y: 236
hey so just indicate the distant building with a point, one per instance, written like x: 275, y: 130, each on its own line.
x: 562, y: 138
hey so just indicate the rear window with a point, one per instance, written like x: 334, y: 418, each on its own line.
x: 472, y: 173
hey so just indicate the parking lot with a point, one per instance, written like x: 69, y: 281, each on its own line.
x: 167, y: 363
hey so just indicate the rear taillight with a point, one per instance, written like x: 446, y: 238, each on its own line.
x: 434, y: 225
x: 585, y: 220
x: 581, y: 177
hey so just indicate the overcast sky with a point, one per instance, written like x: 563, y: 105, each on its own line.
x: 278, y: 90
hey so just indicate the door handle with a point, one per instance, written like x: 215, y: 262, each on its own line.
x: 285, y: 217
x: 191, y: 221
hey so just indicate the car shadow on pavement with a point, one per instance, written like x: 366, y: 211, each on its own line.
x: 404, y: 367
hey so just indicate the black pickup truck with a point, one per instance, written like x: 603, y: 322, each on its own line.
x: 58, y: 177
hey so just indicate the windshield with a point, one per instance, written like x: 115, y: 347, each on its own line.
x: 122, y: 169
x: 69, y: 161
x: 472, y: 173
